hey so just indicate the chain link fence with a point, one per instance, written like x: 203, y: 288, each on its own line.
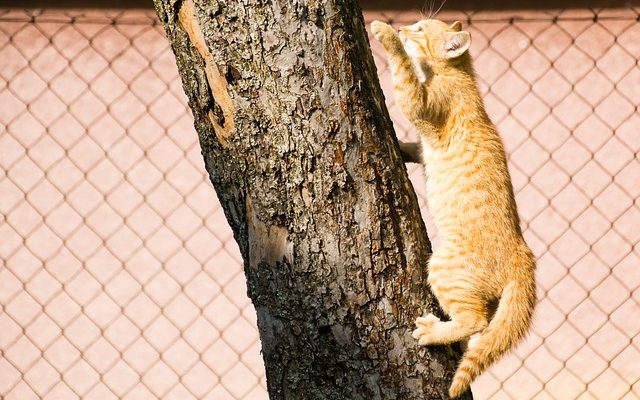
x: 120, y: 278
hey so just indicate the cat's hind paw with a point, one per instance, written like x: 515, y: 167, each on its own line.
x: 427, y: 321
x: 424, y: 329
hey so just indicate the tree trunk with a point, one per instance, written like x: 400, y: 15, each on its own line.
x: 299, y: 147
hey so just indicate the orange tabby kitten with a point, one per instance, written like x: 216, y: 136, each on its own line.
x: 483, y: 271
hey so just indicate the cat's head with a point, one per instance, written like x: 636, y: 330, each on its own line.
x: 432, y: 40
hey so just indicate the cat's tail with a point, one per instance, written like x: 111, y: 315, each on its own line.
x: 508, y: 325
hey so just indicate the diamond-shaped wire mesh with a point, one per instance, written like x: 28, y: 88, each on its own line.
x: 120, y: 277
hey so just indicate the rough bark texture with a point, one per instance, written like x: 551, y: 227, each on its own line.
x: 298, y: 145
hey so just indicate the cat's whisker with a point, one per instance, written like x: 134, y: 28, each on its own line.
x: 423, y: 9
x: 420, y: 11
x: 429, y: 3
x: 440, y: 8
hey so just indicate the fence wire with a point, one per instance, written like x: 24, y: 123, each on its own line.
x: 120, y: 278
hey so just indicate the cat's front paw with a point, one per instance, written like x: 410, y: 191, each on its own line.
x: 424, y: 329
x: 382, y: 31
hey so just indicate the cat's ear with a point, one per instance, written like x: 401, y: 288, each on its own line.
x: 456, y: 26
x: 456, y: 43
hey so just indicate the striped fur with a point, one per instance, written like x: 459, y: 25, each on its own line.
x: 483, y: 271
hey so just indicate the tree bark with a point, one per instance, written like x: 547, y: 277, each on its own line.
x: 299, y: 147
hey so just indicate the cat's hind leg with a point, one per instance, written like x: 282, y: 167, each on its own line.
x: 466, y: 310
x: 432, y: 331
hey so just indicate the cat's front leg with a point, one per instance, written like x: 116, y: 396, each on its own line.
x: 410, y: 94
